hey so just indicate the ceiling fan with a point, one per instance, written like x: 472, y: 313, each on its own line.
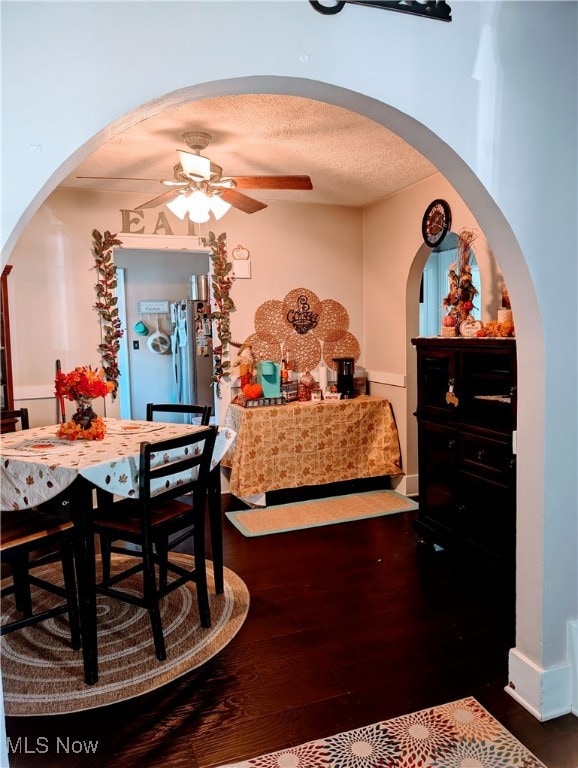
x: 196, y: 173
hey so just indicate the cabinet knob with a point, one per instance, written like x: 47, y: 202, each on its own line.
x: 481, y: 454
x: 461, y: 508
x: 451, y: 444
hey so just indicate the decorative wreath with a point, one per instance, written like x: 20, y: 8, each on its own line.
x: 304, y: 329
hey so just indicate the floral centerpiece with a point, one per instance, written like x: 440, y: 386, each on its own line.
x: 83, y: 385
x: 460, y: 299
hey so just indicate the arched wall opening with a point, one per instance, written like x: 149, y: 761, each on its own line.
x: 496, y: 228
x: 412, y: 325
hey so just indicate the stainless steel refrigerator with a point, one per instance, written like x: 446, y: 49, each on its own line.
x: 191, y: 352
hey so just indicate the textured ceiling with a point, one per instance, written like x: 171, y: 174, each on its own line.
x: 351, y: 160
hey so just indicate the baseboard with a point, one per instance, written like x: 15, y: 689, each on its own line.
x: 406, y: 484
x: 546, y: 693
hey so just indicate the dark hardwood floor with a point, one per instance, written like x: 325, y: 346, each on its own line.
x: 348, y: 625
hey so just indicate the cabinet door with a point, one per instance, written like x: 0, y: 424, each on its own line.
x: 437, y: 481
x: 486, y: 518
x: 436, y: 377
x: 488, y: 388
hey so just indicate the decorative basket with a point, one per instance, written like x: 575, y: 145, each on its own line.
x: 449, y: 330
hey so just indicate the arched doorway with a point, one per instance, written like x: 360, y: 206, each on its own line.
x: 472, y: 191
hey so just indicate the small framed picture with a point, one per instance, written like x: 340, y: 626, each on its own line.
x: 316, y: 395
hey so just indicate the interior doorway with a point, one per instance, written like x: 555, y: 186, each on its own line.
x: 150, y: 283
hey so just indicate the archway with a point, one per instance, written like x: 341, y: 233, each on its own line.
x: 468, y: 186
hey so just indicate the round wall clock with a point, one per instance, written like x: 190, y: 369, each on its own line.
x: 436, y: 222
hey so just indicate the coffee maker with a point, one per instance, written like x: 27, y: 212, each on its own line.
x: 268, y: 376
x: 345, y: 368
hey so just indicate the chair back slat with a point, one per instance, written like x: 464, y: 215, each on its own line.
x: 192, y: 452
x: 203, y: 411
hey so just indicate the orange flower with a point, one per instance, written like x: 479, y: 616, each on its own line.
x: 82, y: 382
x: 73, y: 431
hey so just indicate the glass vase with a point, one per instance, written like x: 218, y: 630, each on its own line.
x: 84, y: 415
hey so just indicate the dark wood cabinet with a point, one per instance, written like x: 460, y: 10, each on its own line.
x: 466, y: 413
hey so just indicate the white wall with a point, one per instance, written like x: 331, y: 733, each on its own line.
x: 490, y: 99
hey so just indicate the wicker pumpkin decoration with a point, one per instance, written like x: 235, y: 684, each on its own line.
x: 449, y: 321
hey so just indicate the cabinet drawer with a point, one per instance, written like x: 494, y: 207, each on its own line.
x: 487, y: 458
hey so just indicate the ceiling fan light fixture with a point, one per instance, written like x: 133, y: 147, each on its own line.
x: 198, y: 206
x: 180, y: 205
x: 218, y: 206
x: 195, y: 166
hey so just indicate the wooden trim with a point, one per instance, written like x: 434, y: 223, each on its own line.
x: 5, y: 340
x: 385, y: 377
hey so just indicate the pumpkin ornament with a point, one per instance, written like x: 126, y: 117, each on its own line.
x: 449, y: 324
x: 253, y: 391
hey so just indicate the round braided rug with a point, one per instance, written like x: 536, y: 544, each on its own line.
x: 42, y: 675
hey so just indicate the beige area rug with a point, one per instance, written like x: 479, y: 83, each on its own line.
x: 328, y: 511
x: 41, y: 675
x: 461, y: 734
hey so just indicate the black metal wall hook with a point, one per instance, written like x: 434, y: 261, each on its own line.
x: 432, y: 9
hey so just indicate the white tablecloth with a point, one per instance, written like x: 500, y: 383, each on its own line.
x: 36, y: 465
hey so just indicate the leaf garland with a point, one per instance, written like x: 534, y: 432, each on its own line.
x: 106, y: 305
x: 222, y: 281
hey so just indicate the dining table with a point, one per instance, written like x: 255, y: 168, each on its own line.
x: 39, y: 469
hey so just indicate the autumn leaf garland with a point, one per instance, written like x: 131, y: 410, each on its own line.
x: 222, y: 280
x: 106, y: 305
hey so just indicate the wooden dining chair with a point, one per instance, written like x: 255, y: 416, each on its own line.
x: 28, y: 532
x: 172, y: 500
x: 203, y: 412
x: 12, y: 417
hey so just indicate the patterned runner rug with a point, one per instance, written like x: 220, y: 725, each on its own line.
x: 328, y: 511
x: 461, y: 734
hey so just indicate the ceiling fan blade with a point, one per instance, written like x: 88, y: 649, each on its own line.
x: 241, y: 201
x: 168, y: 182
x: 195, y: 166
x: 273, y: 182
x: 160, y: 199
